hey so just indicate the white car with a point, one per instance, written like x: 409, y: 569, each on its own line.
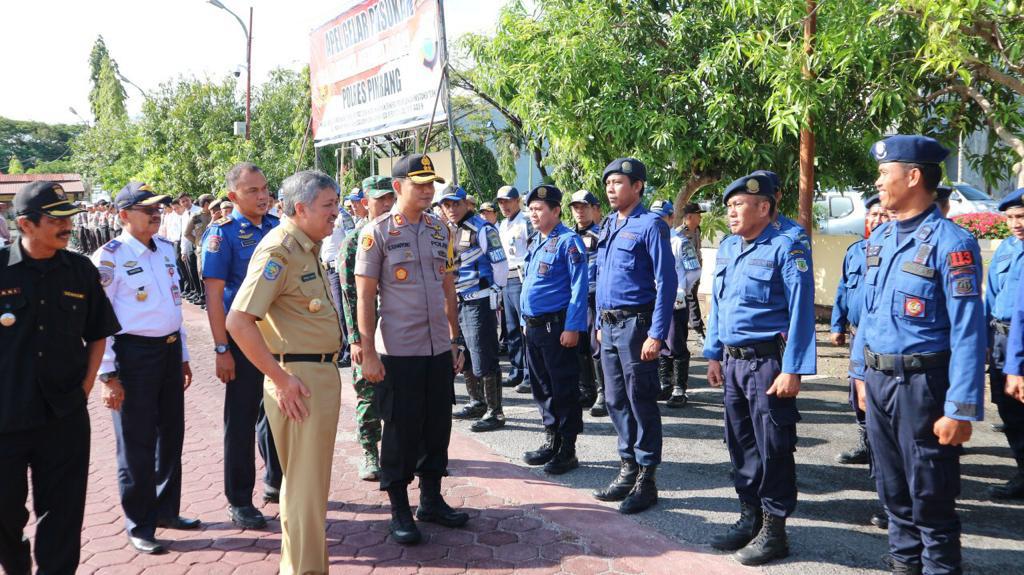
x: 967, y: 199
x: 839, y: 213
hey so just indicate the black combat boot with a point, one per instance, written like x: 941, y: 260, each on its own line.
x: 681, y: 374
x: 620, y: 487
x: 434, y: 509
x: 476, y: 407
x: 770, y: 543
x: 565, y: 460
x: 644, y: 493
x: 665, y: 377
x: 588, y: 385
x: 900, y: 568
x: 741, y: 532
x: 546, y: 451
x: 403, y: 528
x: 494, y: 417
x: 859, y: 454
x: 599, y: 409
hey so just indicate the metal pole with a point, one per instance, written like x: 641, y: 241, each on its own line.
x: 806, y: 198
x: 447, y: 91
x: 248, y: 75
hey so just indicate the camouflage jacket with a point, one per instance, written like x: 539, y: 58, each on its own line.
x: 346, y: 266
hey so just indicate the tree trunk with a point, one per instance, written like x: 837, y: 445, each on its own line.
x: 696, y: 181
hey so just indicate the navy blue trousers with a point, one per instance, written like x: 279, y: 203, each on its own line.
x: 918, y: 480
x: 245, y: 426
x: 1011, y: 411
x: 479, y: 326
x: 514, y: 332
x: 150, y: 429
x: 631, y: 389
x: 555, y: 374
x: 760, y: 432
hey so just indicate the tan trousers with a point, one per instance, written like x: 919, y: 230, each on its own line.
x: 306, y: 451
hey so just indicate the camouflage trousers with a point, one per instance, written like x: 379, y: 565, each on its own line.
x: 367, y: 420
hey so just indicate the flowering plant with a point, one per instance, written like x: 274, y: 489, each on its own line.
x: 984, y: 225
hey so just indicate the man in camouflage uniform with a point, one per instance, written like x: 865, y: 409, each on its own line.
x: 378, y: 198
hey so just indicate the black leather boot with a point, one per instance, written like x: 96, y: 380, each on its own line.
x: 900, y: 568
x: 644, y: 494
x: 476, y: 406
x: 403, y: 528
x: 546, y: 451
x: 434, y: 509
x: 588, y: 385
x: 599, y: 409
x: 859, y: 454
x: 665, y: 377
x: 494, y: 417
x: 620, y: 487
x: 770, y: 543
x: 741, y: 532
x: 565, y: 459
x: 681, y: 375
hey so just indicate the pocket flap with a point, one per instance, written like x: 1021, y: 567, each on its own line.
x: 401, y: 256
x: 761, y: 273
x: 921, y: 289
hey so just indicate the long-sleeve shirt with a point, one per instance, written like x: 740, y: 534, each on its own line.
x: 849, y: 293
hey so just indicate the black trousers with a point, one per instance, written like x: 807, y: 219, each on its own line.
x: 415, y: 403
x: 57, y: 452
x: 150, y: 430
x: 554, y: 379
x: 192, y: 268
x: 243, y: 414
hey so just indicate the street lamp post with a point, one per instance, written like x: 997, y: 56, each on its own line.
x: 247, y: 30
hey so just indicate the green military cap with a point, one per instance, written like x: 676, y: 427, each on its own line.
x: 377, y: 186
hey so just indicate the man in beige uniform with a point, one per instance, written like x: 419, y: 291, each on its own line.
x: 296, y: 345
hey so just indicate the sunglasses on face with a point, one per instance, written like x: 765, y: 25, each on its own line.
x: 148, y: 210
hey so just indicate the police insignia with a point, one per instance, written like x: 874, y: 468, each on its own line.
x: 753, y: 185
x: 130, y: 264
x: 879, y: 150
x: 493, y: 239
x: 57, y: 189
x: 222, y: 221
x: 367, y: 242
x: 213, y: 244
x: 913, y: 307
x: 399, y: 220
x: 427, y: 165
x: 401, y: 274
x: 964, y: 285
x: 106, y: 263
x: 394, y: 233
x: 106, y: 276
x: 272, y: 270
x: 627, y: 168
x: 10, y: 291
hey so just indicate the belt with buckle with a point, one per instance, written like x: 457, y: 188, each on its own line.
x: 147, y: 340
x: 621, y: 314
x: 909, y: 362
x: 545, y: 319
x: 1001, y: 327
x: 306, y: 357
x: 754, y: 350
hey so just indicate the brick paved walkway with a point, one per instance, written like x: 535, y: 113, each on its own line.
x: 520, y: 522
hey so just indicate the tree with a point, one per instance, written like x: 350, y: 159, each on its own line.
x: 35, y: 142
x: 106, y: 99
x: 280, y: 117
x: 14, y: 166
x: 478, y: 170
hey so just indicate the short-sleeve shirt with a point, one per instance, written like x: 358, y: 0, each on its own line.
x: 228, y: 245
x: 410, y: 262
x: 285, y: 287
x: 57, y: 306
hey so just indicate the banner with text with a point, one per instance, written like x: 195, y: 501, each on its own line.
x: 375, y: 69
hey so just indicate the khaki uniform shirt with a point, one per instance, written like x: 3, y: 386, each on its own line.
x: 285, y: 287
x: 410, y: 262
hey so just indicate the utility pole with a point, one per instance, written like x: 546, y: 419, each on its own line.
x: 247, y: 30
x: 806, y: 197
x: 447, y: 90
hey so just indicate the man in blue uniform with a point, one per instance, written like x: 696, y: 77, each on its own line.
x: 920, y: 350
x: 582, y: 204
x: 636, y: 285
x: 760, y: 342
x: 783, y: 224
x: 482, y: 273
x: 227, y: 248
x: 554, y: 308
x: 1001, y: 299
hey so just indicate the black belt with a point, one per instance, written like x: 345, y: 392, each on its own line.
x: 1001, y: 327
x: 545, y: 319
x: 146, y: 340
x: 911, y: 362
x: 306, y: 357
x: 754, y: 351
x: 621, y: 314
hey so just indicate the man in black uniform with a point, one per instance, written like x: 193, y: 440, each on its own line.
x: 55, y: 318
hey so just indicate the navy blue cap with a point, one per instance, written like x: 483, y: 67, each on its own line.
x: 583, y: 197
x: 546, y: 192
x: 507, y: 193
x: 868, y: 202
x: 1014, y: 199
x: 776, y: 181
x: 356, y: 195
x: 453, y: 193
x: 942, y: 193
x: 755, y: 184
x: 909, y: 149
x: 630, y: 166
x: 662, y: 208
x: 139, y: 194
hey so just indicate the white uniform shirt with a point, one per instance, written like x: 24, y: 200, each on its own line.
x: 128, y: 268
x: 331, y: 244
x: 515, y: 236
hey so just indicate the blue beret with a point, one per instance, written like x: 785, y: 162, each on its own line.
x: 909, y: 149
x: 776, y: 181
x: 942, y: 193
x: 755, y: 184
x: 453, y: 193
x: 546, y: 192
x: 632, y: 167
x: 507, y: 193
x: 1015, y: 199
x: 662, y: 208
x: 870, y: 201
x: 584, y: 197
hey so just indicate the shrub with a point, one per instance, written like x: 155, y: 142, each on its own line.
x: 984, y: 226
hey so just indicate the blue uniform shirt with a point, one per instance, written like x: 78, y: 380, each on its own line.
x: 227, y: 248
x: 792, y: 230
x: 849, y: 296
x: 636, y: 267
x: 1008, y: 300
x: 590, y: 235
x: 479, y: 256
x: 556, y: 278
x: 761, y: 291
x: 923, y: 295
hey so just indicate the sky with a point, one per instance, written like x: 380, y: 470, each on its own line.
x: 46, y: 45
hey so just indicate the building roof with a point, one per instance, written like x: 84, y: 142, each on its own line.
x: 11, y: 183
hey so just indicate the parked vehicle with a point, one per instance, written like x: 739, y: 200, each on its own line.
x: 967, y: 199
x: 840, y: 212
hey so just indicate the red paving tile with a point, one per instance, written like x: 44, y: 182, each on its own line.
x: 519, y: 522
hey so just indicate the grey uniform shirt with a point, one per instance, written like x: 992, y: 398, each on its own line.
x: 410, y: 262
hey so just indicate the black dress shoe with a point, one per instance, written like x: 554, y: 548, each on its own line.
x: 179, y: 522
x: 147, y: 546
x: 880, y: 520
x: 247, y: 517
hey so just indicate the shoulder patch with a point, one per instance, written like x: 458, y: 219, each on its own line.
x: 111, y: 246
x: 272, y: 270
x: 493, y: 239
x: 367, y: 242
x: 961, y: 259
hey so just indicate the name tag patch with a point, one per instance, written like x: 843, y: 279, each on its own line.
x: 918, y: 269
x: 309, y: 277
x: 134, y: 271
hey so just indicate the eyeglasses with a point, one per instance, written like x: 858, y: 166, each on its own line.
x: 149, y: 210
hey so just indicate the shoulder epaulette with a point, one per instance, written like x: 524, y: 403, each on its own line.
x: 288, y: 242
x: 223, y: 221
x: 111, y: 246
x: 161, y: 238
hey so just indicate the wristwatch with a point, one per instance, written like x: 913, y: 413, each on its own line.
x: 105, y: 377
x: 221, y: 348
